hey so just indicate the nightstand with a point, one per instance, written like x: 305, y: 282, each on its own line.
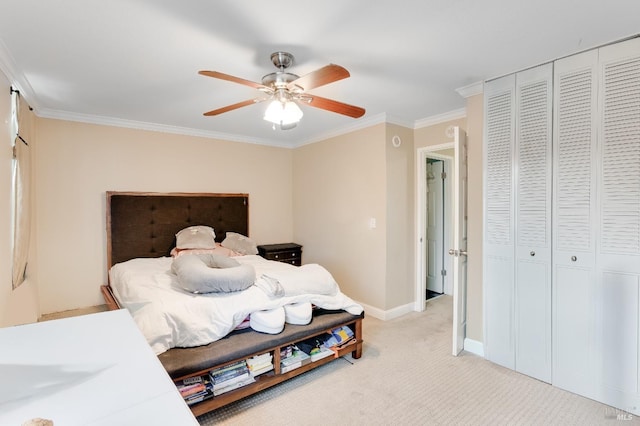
x: 286, y: 252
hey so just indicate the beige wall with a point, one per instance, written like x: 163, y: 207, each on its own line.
x: 76, y: 163
x: 400, y: 247
x: 339, y: 185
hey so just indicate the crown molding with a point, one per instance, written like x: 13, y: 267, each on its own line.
x: 441, y: 118
x: 471, y: 89
x: 399, y: 121
x: 162, y: 128
x: 362, y: 123
x: 382, y: 118
x: 18, y: 79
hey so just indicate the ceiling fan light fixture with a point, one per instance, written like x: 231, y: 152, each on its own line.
x: 283, y: 113
x: 285, y: 90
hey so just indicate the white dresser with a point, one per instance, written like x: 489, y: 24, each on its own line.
x: 87, y: 370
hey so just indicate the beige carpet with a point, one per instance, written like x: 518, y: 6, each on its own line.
x: 407, y: 376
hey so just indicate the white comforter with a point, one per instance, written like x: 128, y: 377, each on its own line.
x: 169, y: 316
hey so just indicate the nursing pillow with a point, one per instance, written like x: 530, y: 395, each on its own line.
x: 209, y: 273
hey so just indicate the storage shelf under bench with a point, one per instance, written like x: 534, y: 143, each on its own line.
x: 183, y: 363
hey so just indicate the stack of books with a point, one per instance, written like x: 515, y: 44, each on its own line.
x: 259, y: 364
x: 291, y: 358
x: 230, y: 377
x: 195, y: 389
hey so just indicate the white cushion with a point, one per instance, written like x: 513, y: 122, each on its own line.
x: 298, y: 313
x: 270, y: 322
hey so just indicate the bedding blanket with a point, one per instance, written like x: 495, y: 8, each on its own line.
x: 170, y: 316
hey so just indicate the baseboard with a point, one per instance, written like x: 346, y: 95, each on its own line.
x: 387, y: 315
x: 474, y: 347
x: 73, y: 313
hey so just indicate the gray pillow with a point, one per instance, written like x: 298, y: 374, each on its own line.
x: 196, y: 237
x: 240, y: 243
x: 210, y: 273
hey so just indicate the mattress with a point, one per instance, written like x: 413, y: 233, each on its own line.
x: 170, y: 316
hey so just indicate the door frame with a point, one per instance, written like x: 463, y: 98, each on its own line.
x: 421, y: 217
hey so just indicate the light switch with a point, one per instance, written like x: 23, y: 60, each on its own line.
x: 372, y: 223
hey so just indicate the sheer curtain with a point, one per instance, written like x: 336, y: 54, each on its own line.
x: 21, y: 192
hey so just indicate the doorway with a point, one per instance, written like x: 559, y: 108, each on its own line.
x: 434, y: 201
x: 436, y: 227
x: 456, y: 154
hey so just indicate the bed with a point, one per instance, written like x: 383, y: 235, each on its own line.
x: 141, y: 234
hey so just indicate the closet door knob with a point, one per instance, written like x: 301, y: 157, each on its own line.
x: 532, y: 253
x: 574, y: 258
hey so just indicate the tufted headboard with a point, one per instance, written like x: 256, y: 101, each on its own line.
x: 144, y: 224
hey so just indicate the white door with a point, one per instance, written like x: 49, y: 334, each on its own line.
x: 532, y: 196
x: 617, y: 293
x: 459, y: 251
x: 574, y: 222
x: 517, y: 231
x: 498, y: 238
x: 435, y: 226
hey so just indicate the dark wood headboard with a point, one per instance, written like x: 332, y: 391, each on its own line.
x: 144, y: 224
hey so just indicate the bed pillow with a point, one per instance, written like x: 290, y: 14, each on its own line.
x: 240, y: 243
x: 196, y: 237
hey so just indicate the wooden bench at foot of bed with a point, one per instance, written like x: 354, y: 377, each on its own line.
x: 181, y: 363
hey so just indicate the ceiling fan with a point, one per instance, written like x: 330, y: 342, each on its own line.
x: 285, y: 90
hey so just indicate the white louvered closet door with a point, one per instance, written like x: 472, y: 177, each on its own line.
x: 587, y: 270
x: 618, y: 248
x: 532, y: 310
x: 517, y: 239
x: 574, y: 224
x: 498, y: 239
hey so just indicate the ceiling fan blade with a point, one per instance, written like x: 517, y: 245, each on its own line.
x: 335, y: 106
x: 320, y: 77
x: 222, y: 76
x: 232, y: 107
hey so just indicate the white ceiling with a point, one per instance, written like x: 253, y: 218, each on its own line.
x: 135, y: 63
